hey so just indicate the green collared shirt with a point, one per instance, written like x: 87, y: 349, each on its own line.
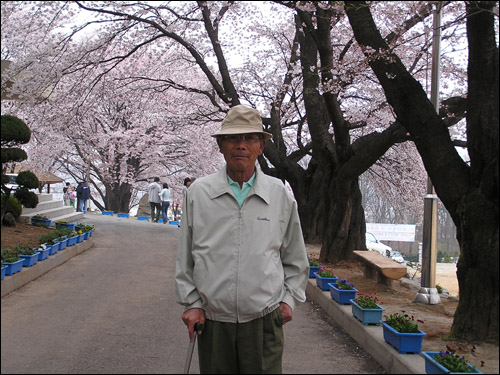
x: 242, y: 193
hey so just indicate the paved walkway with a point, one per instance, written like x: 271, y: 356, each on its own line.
x: 111, y: 309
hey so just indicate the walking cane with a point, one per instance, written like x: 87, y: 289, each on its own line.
x: 197, y: 327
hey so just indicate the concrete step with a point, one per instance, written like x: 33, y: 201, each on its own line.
x: 55, y: 210
x: 70, y: 216
x: 44, y: 197
x: 43, y: 206
x: 51, y: 213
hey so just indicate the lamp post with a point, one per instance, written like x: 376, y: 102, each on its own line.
x: 428, y: 293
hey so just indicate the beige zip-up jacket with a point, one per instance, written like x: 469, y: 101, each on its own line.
x: 236, y: 263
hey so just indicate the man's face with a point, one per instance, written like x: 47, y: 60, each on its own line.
x: 241, y: 151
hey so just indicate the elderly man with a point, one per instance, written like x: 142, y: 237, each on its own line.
x: 241, y: 262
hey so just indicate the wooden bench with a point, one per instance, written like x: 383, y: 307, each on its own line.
x: 381, y: 268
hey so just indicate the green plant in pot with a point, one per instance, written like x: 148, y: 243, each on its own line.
x: 345, y: 285
x: 9, y: 256
x: 41, y: 217
x: 63, y: 232
x: 24, y: 250
x: 325, y: 272
x: 450, y: 360
x: 47, y: 238
x: 367, y: 302
x: 314, y: 263
x: 403, y: 323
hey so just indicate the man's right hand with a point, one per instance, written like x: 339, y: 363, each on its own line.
x: 191, y: 317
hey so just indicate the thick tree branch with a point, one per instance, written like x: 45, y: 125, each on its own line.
x: 447, y: 170
x: 191, y: 49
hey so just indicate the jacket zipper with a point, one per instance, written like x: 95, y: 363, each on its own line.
x: 238, y: 265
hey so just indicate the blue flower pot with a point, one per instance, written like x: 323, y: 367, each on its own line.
x: 404, y: 343
x: 48, y: 248
x: 3, y: 271
x: 63, y: 244
x: 29, y: 260
x: 108, y: 213
x: 342, y: 296
x: 433, y: 367
x: 43, y: 254
x: 312, y: 271
x: 323, y: 282
x: 70, y: 226
x: 40, y: 222
x: 54, y: 248
x: 367, y: 316
x: 123, y: 215
x: 72, y: 240
x: 13, y: 267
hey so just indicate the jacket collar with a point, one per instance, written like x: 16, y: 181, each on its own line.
x: 260, y: 187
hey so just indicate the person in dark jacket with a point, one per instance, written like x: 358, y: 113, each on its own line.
x: 83, y: 192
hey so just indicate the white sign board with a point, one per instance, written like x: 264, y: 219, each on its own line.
x: 392, y: 232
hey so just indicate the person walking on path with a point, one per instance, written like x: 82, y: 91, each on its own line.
x: 165, y: 202
x: 72, y: 197
x: 154, y: 189
x: 241, y: 263
x: 66, y: 192
x: 187, y: 183
x: 84, y: 191
x: 78, y: 197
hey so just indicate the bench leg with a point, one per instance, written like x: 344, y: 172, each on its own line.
x: 369, y: 272
x: 372, y: 273
x: 381, y: 279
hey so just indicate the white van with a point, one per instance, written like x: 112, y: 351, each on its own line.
x: 375, y: 245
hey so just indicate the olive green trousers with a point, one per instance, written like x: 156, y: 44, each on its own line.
x: 255, y: 347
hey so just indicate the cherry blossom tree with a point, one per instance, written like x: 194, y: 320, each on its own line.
x: 119, y: 133
x: 320, y: 146
x: 340, y: 88
x: 469, y: 192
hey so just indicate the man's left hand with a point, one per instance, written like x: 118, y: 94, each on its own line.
x: 286, y: 312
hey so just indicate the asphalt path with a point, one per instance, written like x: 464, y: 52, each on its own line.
x: 112, y: 310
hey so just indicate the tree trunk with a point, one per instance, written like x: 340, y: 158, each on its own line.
x: 476, y: 317
x: 118, y: 197
x: 311, y: 203
x: 345, y: 221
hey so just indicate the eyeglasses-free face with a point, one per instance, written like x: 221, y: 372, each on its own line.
x: 237, y: 138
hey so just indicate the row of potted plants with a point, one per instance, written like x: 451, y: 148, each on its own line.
x: 19, y: 256
x: 401, y: 331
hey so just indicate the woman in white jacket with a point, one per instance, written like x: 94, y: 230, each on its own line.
x: 165, y: 202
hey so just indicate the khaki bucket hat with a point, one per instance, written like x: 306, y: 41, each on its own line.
x: 242, y: 120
